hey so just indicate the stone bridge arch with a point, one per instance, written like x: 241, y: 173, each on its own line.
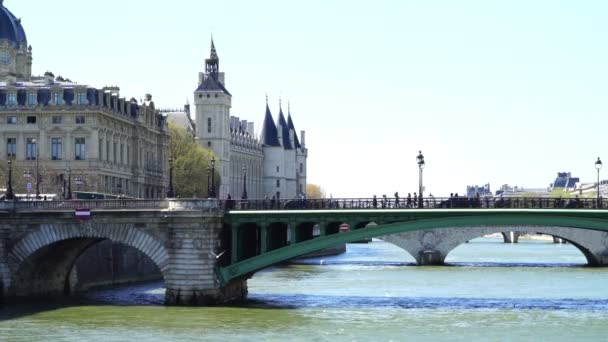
x: 432, y: 246
x: 40, y: 262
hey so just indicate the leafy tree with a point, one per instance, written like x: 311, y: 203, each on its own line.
x: 314, y: 191
x: 560, y: 193
x: 190, y: 164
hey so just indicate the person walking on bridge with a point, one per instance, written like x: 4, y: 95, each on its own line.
x: 375, y: 202
x: 397, y: 205
x: 408, y: 203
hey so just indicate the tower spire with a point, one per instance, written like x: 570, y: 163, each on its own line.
x: 212, y: 64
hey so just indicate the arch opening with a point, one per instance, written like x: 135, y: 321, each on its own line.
x: 73, y: 265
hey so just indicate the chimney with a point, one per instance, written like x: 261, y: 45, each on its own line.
x: 280, y: 134
x: 303, y: 139
x: 292, y: 139
x: 250, y: 128
x: 244, y: 126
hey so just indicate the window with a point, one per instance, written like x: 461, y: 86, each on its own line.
x: 80, y: 149
x: 278, y: 183
x: 80, y: 120
x: 56, y: 148
x: 107, y: 150
x: 208, y: 143
x: 81, y: 98
x: 11, y: 147
x: 31, y: 119
x: 56, y: 119
x: 11, y: 100
x: 5, y: 58
x: 122, y: 153
x: 56, y: 98
x: 301, y: 189
x: 278, y: 169
x: 115, y: 154
x: 32, y: 99
x: 30, y: 149
x: 11, y: 120
x: 209, y: 125
x: 301, y: 168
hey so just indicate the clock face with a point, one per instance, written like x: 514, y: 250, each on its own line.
x: 4, y: 58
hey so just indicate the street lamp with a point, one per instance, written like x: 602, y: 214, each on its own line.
x: 244, y: 196
x: 9, y: 188
x: 37, y: 174
x: 598, y: 166
x: 212, y: 192
x: 69, y: 193
x: 28, y: 181
x: 209, y: 181
x: 420, y: 159
x: 171, y: 192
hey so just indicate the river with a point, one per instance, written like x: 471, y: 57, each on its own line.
x: 531, y: 291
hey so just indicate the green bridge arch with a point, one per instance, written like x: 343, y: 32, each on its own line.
x: 394, y: 222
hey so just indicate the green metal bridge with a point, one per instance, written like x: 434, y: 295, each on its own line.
x: 260, y: 238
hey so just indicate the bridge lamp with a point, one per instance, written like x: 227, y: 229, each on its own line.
x: 212, y: 192
x: 171, y: 192
x: 69, y: 194
x: 420, y: 159
x: 598, y: 166
x: 9, y: 187
x: 28, y: 176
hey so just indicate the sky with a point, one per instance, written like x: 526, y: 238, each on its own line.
x: 499, y: 92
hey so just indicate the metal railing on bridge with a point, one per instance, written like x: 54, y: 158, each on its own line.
x: 427, y: 203
x: 112, y: 204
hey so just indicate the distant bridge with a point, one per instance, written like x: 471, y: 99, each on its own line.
x: 206, y: 249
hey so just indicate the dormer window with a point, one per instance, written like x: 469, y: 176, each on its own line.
x: 11, y: 99
x: 32, y: 99
x: 56, y: 99
x: 81, y: 98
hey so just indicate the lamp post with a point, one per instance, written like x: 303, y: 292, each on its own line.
x: 598, y: 166
x: 171, y: 192
x: 208, y: 181
x: 37, y: 174
x: 244, y: 196
x: 9, y: 187
x: 420, y: 159
x: 28, y: 181
x: 212, y: 192
x: 69, y: 192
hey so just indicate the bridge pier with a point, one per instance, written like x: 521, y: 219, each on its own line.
x: 429, y: 258
x: 195, y: 252
x: 511, y: 236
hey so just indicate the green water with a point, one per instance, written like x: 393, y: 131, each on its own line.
x: 490, y: 292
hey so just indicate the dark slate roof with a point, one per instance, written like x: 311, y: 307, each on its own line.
x: 292, y: 127
x: 281, y: 121
x: 270, y: 135
x: 10, y: 27
x: 211, y: 84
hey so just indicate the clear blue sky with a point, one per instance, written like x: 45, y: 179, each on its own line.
x: 490, y: 91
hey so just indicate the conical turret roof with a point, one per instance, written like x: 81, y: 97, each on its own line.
x: 270, y: 135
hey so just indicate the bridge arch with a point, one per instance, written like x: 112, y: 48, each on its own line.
x: 434, y: 235
x: 438, y: 243
x: 40, y: 263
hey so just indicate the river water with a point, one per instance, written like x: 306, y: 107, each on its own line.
x: 531, y: 291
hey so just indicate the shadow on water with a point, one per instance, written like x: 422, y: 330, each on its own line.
x: 140, y: 294
x: 318, y: 262
x: 297, y: 301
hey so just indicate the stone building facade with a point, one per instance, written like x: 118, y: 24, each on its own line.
x: 270, y: 165
x: 109, y: 144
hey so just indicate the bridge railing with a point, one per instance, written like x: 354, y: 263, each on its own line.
x: 112, y: 204
x: 427, y: 203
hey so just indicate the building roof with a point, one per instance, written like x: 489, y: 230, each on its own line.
x: 281, y: 122
x: 270, y: 135
x: 210, y: 84
x: 10, y: 27
x: 292, y: 127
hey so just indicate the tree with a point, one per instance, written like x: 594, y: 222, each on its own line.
x: 314, y: 191
x: 190, y: 164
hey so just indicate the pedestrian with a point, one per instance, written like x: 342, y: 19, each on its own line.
x: 408, y: 202
x: 384, y: 201
x: 272, y: 202
x: 415, y: 200
x: 397, y: 200
x: 375, y: 202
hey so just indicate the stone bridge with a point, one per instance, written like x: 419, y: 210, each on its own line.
x: 206, y: 254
